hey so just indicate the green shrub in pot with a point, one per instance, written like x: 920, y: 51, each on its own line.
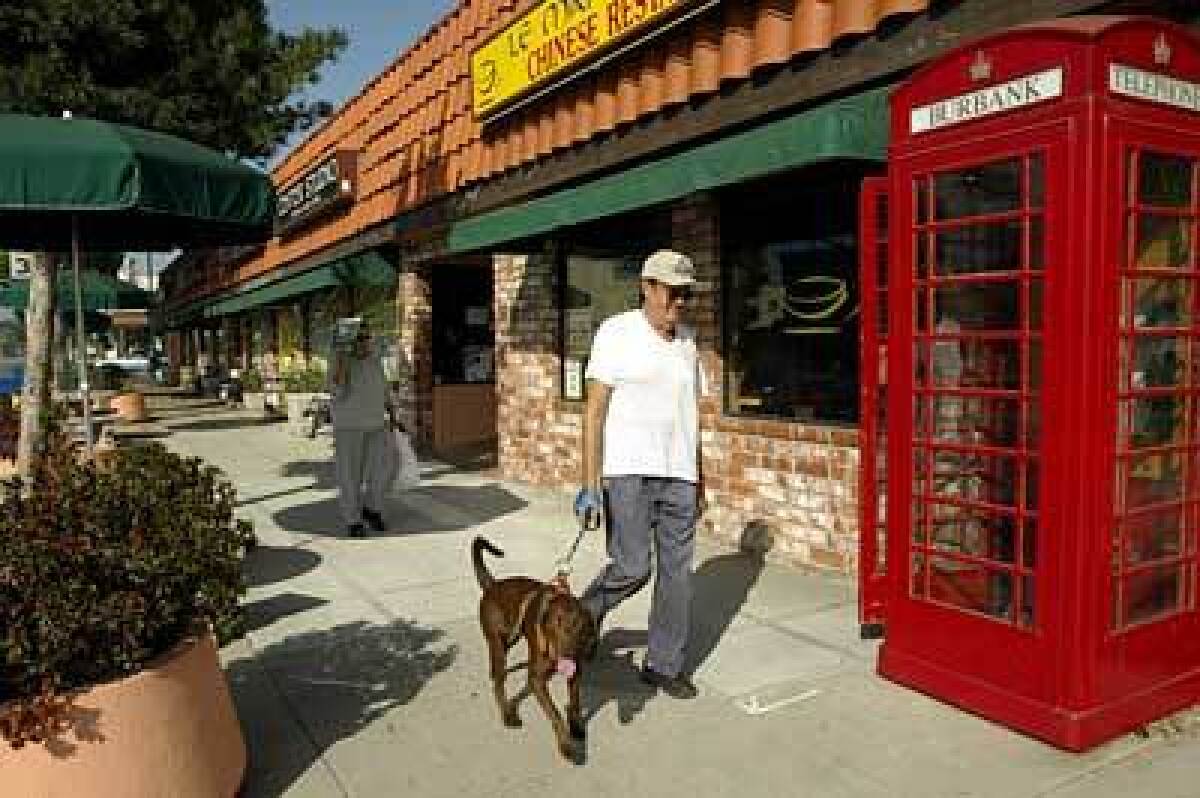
x: 252, y: 381
x: 103, y: 569
x: 307, y: 380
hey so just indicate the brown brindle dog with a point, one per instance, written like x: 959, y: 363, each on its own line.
x: 560, y: 634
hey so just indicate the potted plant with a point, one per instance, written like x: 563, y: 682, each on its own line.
x: 129, y: 404
x: 252, y: 390
x: 117, y: 580
x: 302, y: 384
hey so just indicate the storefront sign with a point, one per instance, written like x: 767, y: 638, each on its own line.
x: 997, y: 99
x: 552, y: 41
x: 20, y: 265
x: 1133, y: 82
x: 573, y: 379
x: 327, y: 187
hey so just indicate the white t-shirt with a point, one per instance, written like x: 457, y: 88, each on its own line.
x: 653, y: 426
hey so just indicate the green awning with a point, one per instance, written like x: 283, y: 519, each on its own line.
x: 97, y: 291
x: 854, y: 127
x: 369, y: 268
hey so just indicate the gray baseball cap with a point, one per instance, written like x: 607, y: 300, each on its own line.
x: 670, y: 268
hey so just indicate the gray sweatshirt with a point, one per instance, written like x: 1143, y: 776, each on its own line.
x: 363, y: 401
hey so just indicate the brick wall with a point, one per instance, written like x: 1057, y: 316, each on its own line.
x: 415, y: 298
x: 797, y: 482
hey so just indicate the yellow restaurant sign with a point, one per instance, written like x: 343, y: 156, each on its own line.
x: 550, y: 41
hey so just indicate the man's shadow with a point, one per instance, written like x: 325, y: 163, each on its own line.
x: 719, y: 590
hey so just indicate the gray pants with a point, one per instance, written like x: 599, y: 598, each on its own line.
x: 361, y: 456
x: 636, y: 508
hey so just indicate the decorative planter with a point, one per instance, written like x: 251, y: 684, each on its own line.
x: 169, y: 730
x: 129, y: 406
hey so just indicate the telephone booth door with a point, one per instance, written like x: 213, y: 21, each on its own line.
x: 976, y: 253
x: 1041, y: 403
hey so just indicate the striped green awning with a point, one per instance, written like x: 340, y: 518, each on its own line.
x: 369, y: 268
x: 854, y: 127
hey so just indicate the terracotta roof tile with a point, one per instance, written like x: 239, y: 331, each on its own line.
x: 418, y: 137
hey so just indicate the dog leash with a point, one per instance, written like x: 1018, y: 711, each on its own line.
x: 562, y: 566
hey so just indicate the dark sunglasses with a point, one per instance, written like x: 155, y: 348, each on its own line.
x: 677, y: 292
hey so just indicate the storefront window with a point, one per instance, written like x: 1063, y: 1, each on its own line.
x: 324, y: 308
x: 791, y: 298
x: 595, y: 287
x: 377, y: 307
x: 291, y: 335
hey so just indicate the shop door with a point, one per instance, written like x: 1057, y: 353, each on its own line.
x: 974, y: 259
x: 1154, y: 210
x: 872, y: 526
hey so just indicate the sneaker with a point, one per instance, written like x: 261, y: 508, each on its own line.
x: 675, y: 686
x: 357, y: 531
x: 375, y: 520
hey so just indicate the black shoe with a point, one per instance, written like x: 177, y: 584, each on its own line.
x: 375, y: 520
x: 675, y: 686
x: 357, y: 531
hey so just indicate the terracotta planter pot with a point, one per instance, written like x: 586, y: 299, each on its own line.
x: 129, y: 406
x: 170, y: 730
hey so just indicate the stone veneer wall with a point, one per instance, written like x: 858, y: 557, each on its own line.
x: 799, y: 482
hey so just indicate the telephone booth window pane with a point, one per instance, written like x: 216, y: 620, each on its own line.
x: 1153, y: 479
x: 1163, y: 242
x: 984, y: 420
x: 1152, y: 593
x: 976, y: 478
x: 1031, y: 487
x: 978, y: 306
x: 970, y: 586
x: 1037, y: 182
x: 973, y: 533
x: 980, y: 248
x: 1029, y: 543
x: 1165, y: 180
x: 1154, y: 536
x: 1036, y: 304
x: 1157, y: 361
x: 979, y: 190
x: 1037, y: 243
x: 973, y: 363
x: 1156, y: 421
x: 1156, y: 302
x: 919, y: 573
x: 921, y: 198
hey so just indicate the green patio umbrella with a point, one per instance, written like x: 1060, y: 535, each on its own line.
x: 97, y: 291
x: 67, y: 183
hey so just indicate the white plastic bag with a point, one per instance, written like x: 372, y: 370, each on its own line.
x: 405, y: 472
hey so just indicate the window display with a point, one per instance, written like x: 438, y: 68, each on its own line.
x: 791, y: 299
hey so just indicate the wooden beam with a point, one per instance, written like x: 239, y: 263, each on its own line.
x: 885, y: 55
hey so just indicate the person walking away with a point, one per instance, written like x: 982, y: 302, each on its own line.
x: 361, y: 408
x: 641, y: 461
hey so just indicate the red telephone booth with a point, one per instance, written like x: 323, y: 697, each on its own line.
x: 1042, y: 364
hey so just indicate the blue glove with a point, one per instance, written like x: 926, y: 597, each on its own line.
x: 588, y: 506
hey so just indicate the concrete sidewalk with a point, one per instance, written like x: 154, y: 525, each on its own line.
x: 364, y: 673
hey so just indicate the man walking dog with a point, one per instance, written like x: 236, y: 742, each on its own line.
x: 641, y: 436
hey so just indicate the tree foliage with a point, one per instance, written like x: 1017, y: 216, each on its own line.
x: 212, y: 71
